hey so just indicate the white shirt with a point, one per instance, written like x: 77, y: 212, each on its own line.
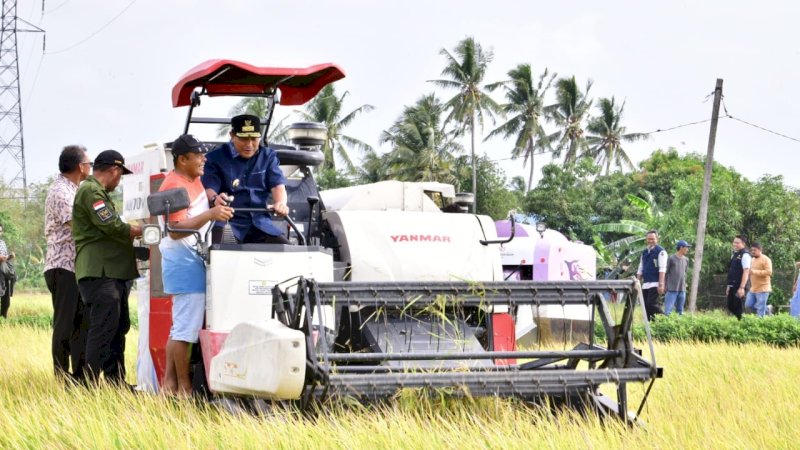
x: 746, y: 261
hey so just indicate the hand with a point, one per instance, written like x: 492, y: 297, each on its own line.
x: 223, y: 200
x: 727, y: 291
x: 661, y: 289
x: 221, y: 213
x: 280, y: 209
x: 740, y: 292
x: 136, y: 230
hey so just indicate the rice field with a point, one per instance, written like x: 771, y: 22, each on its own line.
x: 712, y: 396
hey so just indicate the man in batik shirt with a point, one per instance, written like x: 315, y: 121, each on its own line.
x: 69, y: 321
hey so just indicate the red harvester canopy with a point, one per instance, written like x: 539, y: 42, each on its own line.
x: 228, y: 77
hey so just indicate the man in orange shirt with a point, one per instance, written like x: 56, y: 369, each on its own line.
x: 183, y: 269
x: 760, y: 281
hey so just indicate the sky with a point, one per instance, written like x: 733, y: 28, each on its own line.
x: 106, y: 75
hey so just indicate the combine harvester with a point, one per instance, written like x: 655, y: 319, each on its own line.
x: 384, y: 291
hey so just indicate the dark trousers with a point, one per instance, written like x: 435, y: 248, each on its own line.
x: 70, y: 323
x: 106, y: 300
x: 5, y: 300
x: 651, y: 304
x: 735, y: 304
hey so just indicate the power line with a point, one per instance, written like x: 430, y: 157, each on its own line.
x: 764, y: 129
x: 661, y: 130
x: 95, y: 32
x: 55, y: 8
x: 727, y: 114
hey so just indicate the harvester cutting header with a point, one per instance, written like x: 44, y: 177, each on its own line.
x: 390, y: 286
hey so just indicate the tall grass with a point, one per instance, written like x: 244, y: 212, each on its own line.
x: 712, y: 396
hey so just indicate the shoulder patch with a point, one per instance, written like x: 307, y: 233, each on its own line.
x: 104, y: 214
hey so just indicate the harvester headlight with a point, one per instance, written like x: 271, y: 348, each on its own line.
x: 151, y: 234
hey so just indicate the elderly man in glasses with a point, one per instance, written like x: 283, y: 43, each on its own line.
x: 69, y: 322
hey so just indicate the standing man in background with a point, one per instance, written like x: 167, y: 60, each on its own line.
x: 6, y: 281
x: 760, y: 280
x: 675, y: 298
x: 652, y: 273
x: 738, y: 276
x: 69, y: 322
x: 104, y: 266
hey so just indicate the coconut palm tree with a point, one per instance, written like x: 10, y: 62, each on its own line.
x: 326, y: 108
x: 257, y: 106
x: 605, y: 136
x: 465, y: 70
x: 374, y: 167
x: 569, y: 112
x: 421, y: 149
x: 525, y: 109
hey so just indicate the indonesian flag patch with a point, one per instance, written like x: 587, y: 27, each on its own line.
x: 102, y: 211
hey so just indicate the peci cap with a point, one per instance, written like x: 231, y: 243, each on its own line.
x: 246, y: 126
x: 682, y: 244
x: 112, y: 158
x: 186, y: 143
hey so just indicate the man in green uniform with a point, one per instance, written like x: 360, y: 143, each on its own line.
x: 104, y: 266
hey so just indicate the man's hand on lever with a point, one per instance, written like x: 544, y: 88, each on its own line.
x: 279, y: 208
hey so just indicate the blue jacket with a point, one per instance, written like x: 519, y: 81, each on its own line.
x: 250, y: 181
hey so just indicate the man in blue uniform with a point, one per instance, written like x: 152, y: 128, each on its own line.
x: 249, y: 173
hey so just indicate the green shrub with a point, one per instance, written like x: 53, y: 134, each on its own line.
x: 780, y: 330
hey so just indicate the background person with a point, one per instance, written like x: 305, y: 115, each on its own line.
x: 6, y: 282
x: 794, y: 303
x: 104, y: 266
x: 652, y: 271
x: 69, y: 322
x: 760, y: 281
x: 738, y: 276
x: 183, y: 269
x: 251, y: 173
x: 675, y: 298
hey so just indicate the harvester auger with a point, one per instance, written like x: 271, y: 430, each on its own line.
x: 434, y: 335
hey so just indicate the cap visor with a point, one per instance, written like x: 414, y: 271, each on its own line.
x: 247, y: 135
x: 126, y: 171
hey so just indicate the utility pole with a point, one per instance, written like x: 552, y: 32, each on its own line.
x: 703, y: 216
x: 11, y: 141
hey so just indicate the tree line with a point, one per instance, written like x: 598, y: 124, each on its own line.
x: 591, y: 192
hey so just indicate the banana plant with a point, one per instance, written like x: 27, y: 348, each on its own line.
x: 627, y: 250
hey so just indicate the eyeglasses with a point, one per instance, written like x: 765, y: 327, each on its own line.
x: 91, y: 164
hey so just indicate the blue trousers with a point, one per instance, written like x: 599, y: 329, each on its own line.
x: 757, y: 301
x: 674, y: 301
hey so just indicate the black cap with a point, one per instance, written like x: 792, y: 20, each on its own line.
x: 246, y: 126
x: 111, y: 158
x: 186, y: 143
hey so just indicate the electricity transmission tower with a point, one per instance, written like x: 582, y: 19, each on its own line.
x: 11, y: 142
